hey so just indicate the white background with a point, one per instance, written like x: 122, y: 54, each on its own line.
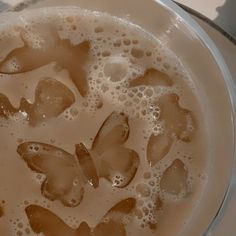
x: 222, y: 12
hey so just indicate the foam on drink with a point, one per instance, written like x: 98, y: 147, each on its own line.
x: 101, y: 130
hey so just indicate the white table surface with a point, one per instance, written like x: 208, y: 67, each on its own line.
x: 222, y: 12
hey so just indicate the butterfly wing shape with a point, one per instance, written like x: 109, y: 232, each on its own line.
x: 113, y: 132
x: 179, y: 123
x: 1, y: 211
x: 117, y: 163
x: 51, y: 99
x: 152, y: 77
x: 44, y: 221
x: 64, y: 180
x: 87, y: 165
x: 6, y: 108
x: 112, y: 223
x: 53, y: 49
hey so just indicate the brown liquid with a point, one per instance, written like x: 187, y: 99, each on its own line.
x: 100, y: 131
x: 76, y: 56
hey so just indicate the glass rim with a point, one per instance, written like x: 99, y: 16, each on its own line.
x: 229, y: 82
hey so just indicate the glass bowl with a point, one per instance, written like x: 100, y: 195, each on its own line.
x: 216, y: 91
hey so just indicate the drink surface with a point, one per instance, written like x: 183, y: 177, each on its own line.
x: 101, y: 129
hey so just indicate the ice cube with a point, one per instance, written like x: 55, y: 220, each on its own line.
x: 51, y: 99
x: 152, y: 77
x: 119, y: 165
x: 44, y: 221
x: 87, y: 165
x: 178, y: 120
x: 109, y: 228
x: 125, y: 206
x: 114, y: 131
x: 174, y: 179
x: 63, y: 178
x: 6, y: 108
x: 158, y: 147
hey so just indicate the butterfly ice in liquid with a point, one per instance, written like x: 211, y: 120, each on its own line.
x: 171, y: 113
x: 44, y: 221
x: 54, y: 50
x: 51, y: 99
x: 66, y: 174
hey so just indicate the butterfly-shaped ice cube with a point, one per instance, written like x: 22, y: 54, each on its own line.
x: 44, y: 221
x: 66, y: 173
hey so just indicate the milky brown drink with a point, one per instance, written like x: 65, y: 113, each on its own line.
x: 101, y: 131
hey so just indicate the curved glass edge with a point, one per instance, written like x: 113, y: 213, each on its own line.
x: 210, y: 22
x: 230, y: 84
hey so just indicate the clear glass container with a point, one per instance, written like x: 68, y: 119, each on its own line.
x: 197, y: 52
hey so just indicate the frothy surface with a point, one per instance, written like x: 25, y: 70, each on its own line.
x: 101, y: 130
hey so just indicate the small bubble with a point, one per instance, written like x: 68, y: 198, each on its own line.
x: 117, y: 43
x: 98, y: 29
x: 166, y: 66
x: 69, y: 19
x: 26, y: 203
x: 19, y: 233
x: 52, y: 140
x: 145, y: 211
x: 20, y: 225
x: 74, y: 111
x: 137, y: 53
x: 39, y: 176
x: 20, y: 140
x: 106, y: 53
x: 147, y: 175
x: 151, y: 183
x: 74, y: 27
x: 138, y: 213
x: 127, y: 42
x: 143, y: 190
x: 135, y: 41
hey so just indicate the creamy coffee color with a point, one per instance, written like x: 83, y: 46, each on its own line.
x: 101, y: 130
